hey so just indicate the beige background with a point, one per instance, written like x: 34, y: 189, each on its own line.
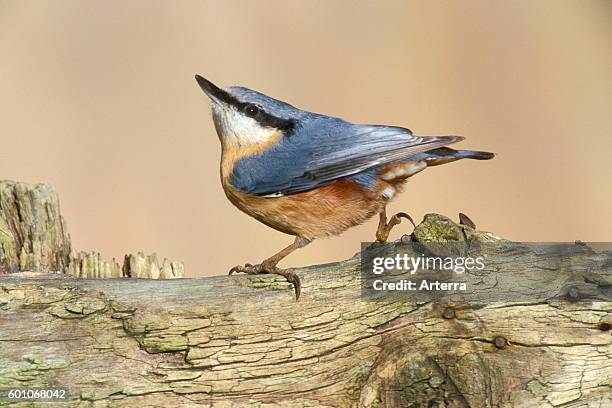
x: 98, y: 99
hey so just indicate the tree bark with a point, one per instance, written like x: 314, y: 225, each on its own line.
x: 243, y: 341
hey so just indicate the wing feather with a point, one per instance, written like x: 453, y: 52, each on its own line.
x: 322, y: 153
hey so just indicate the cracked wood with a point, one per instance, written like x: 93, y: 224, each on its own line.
x: 242, y: 341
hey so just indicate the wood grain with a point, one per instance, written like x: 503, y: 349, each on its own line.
x: 242, y: 341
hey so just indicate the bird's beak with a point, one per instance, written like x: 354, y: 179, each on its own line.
x: 215, y: 93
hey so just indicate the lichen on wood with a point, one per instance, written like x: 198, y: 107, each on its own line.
x: 243, y: 341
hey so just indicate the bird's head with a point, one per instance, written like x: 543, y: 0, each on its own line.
x: 244, y: 117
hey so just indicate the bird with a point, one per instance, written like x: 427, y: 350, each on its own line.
x: 311, y: 175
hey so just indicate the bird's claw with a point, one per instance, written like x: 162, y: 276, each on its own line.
x: 259, y: 269
x: 295, y: 281
x: 406, y: 216
x: 385, y: 227
x: 248, y: 269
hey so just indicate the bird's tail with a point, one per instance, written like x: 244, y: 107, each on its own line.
x: 443, y: 155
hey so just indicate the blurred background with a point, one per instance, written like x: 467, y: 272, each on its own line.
x: 98, y: 99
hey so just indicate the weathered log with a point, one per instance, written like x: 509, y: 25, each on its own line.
x: 242, y: 341
x: 147, y: 266
x: 91, y: 265
x: 32, y: 232
x: 33, y: 237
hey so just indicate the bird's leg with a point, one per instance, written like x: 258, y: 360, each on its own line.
x: 269, y: 265
x: 385, y: 227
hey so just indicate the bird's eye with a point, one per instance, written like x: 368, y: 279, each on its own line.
x: 251, y: 110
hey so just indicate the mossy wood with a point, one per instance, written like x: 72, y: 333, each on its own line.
x: 243, y: 341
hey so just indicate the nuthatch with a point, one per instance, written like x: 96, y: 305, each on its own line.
x: 311, y: 175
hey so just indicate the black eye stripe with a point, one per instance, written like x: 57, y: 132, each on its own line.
x: 264, y: 118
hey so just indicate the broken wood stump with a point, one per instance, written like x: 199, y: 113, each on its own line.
x: 33, y: 237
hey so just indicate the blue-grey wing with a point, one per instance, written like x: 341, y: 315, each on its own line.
x: 326, y: 149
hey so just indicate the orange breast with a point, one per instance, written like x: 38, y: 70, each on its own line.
x: 324, y: 211
x: 328, y: 210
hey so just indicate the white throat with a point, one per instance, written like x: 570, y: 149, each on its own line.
x: 237, y: 129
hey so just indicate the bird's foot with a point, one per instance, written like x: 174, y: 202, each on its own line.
x: 385, y: 227
x: 249, y: 269
x: 264, y: 268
